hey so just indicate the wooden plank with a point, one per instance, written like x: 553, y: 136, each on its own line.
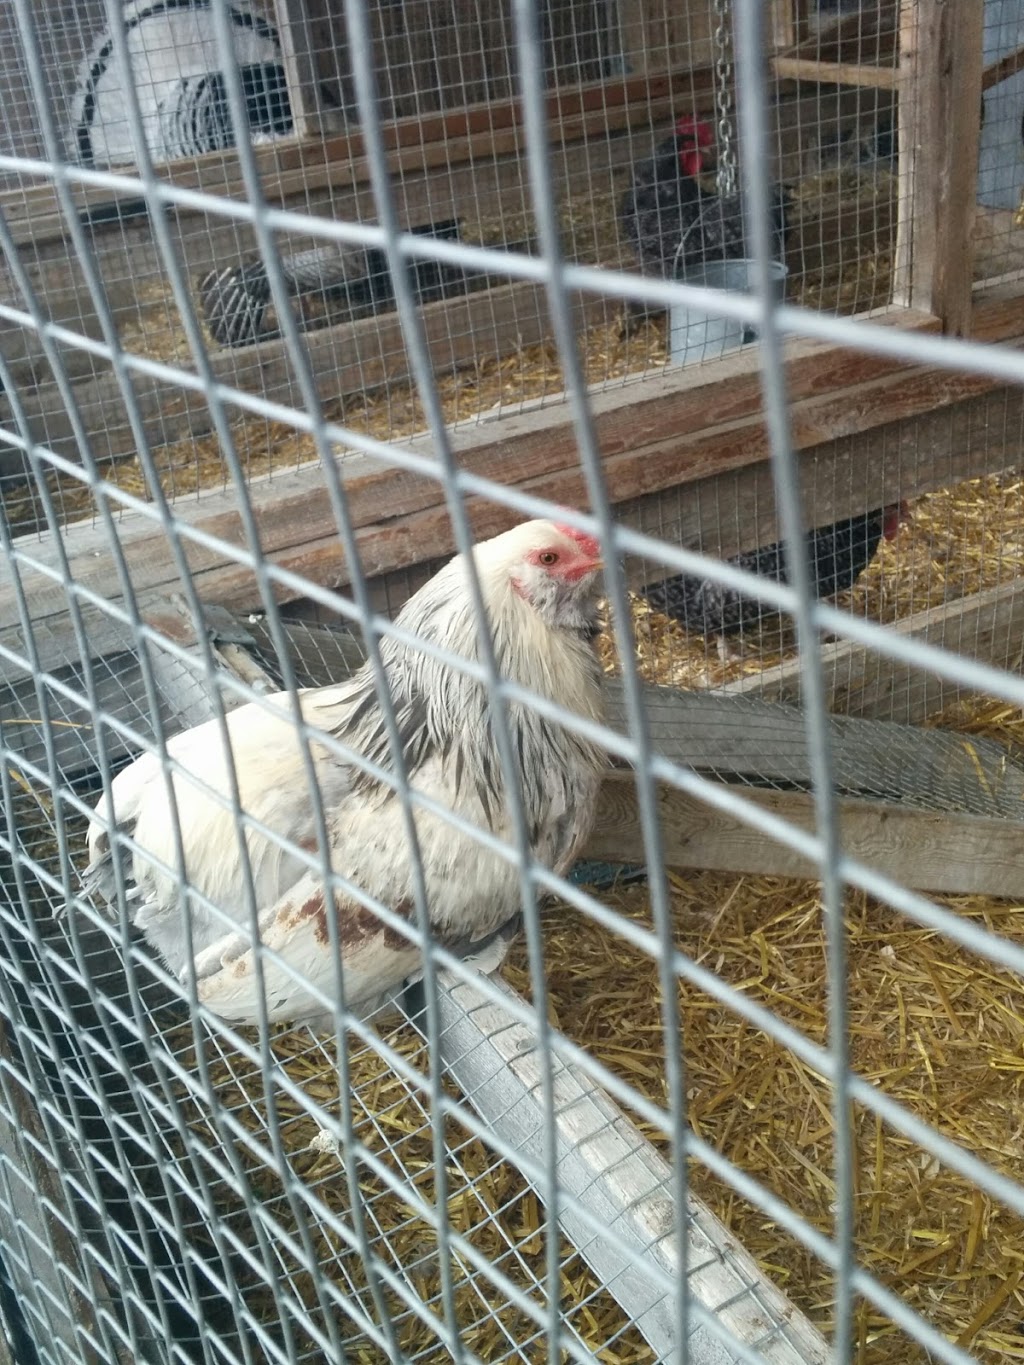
x: 723, y: 513
x: 729, y: 504
x: 957, y: 139
x: 355, y: 356
x: 291, y: 21
x: 350, y: 357
x: 288, y: 506
x: 915, y: 232
x: 659, y: 35
x: 835, y: 73
x: 997, y: 72
x: 643, y: 469
x: 129, y: 258
x: 865, y: 37
x: 940, y: 93
x: 517, y: 449
x: 985, y: 626
x: 606, y: 1165
x: 785, y: 22
x: 927, y: 851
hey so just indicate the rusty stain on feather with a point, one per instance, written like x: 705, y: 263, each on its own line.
x: 356, y: 923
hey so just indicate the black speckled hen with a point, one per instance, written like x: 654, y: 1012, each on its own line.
x: 668, y: 214
x: 839, y: 554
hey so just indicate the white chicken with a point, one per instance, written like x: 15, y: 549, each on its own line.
x: 175, y: 68
x: 540, y: 586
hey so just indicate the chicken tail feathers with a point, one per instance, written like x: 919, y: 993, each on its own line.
x: 100, y: 878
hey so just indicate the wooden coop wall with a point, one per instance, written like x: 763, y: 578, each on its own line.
x: 444, y: 159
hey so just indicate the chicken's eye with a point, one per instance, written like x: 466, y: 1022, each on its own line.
x: 548, y: 557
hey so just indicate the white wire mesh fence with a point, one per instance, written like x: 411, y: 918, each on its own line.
x: 411, y: 962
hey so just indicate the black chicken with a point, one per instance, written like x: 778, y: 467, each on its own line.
x: 839, y: 554
x: 235, y: 298
x: 668, y: 217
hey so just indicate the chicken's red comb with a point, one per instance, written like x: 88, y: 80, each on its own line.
x: 894, y: 517
x: 587, y: 544
x: 699, y: 129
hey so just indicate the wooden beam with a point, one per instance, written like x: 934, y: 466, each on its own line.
x: 785, y: 22
x: 835, y: 73
x: 952, y: 854
x: 726, y: 464
x: 349, y: 357
x: 729, y: 505
x: 130, y: 256
x: 300, y: 67
x: 863, y: 40
x: 940, y: 94
x: 660, y: 34
x: 986, y: 626
x: 997, y: 72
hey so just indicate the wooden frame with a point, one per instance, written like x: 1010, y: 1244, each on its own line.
x: 940, y: 92
x: 848, y: 419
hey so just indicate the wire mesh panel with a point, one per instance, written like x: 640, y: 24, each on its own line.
x: 499, y: 862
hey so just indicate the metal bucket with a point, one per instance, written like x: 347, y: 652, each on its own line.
x: 695, y: 335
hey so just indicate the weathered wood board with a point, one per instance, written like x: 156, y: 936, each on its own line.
x: 652, y: 450
x: 946, y: 854
x: 988, y: 626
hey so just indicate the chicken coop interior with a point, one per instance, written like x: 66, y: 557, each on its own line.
x: 189, y: 389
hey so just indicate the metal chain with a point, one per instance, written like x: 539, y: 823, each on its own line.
x: 726, y: 176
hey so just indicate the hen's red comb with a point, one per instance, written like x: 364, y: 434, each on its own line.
x: 698, y: 128
x: 587, y: 544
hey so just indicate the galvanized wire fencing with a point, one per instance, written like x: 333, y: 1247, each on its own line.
x: 411, y: 963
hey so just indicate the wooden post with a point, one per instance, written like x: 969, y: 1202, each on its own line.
x: 300, y: 67
x: 940, y: 99
x: 785, y: 22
